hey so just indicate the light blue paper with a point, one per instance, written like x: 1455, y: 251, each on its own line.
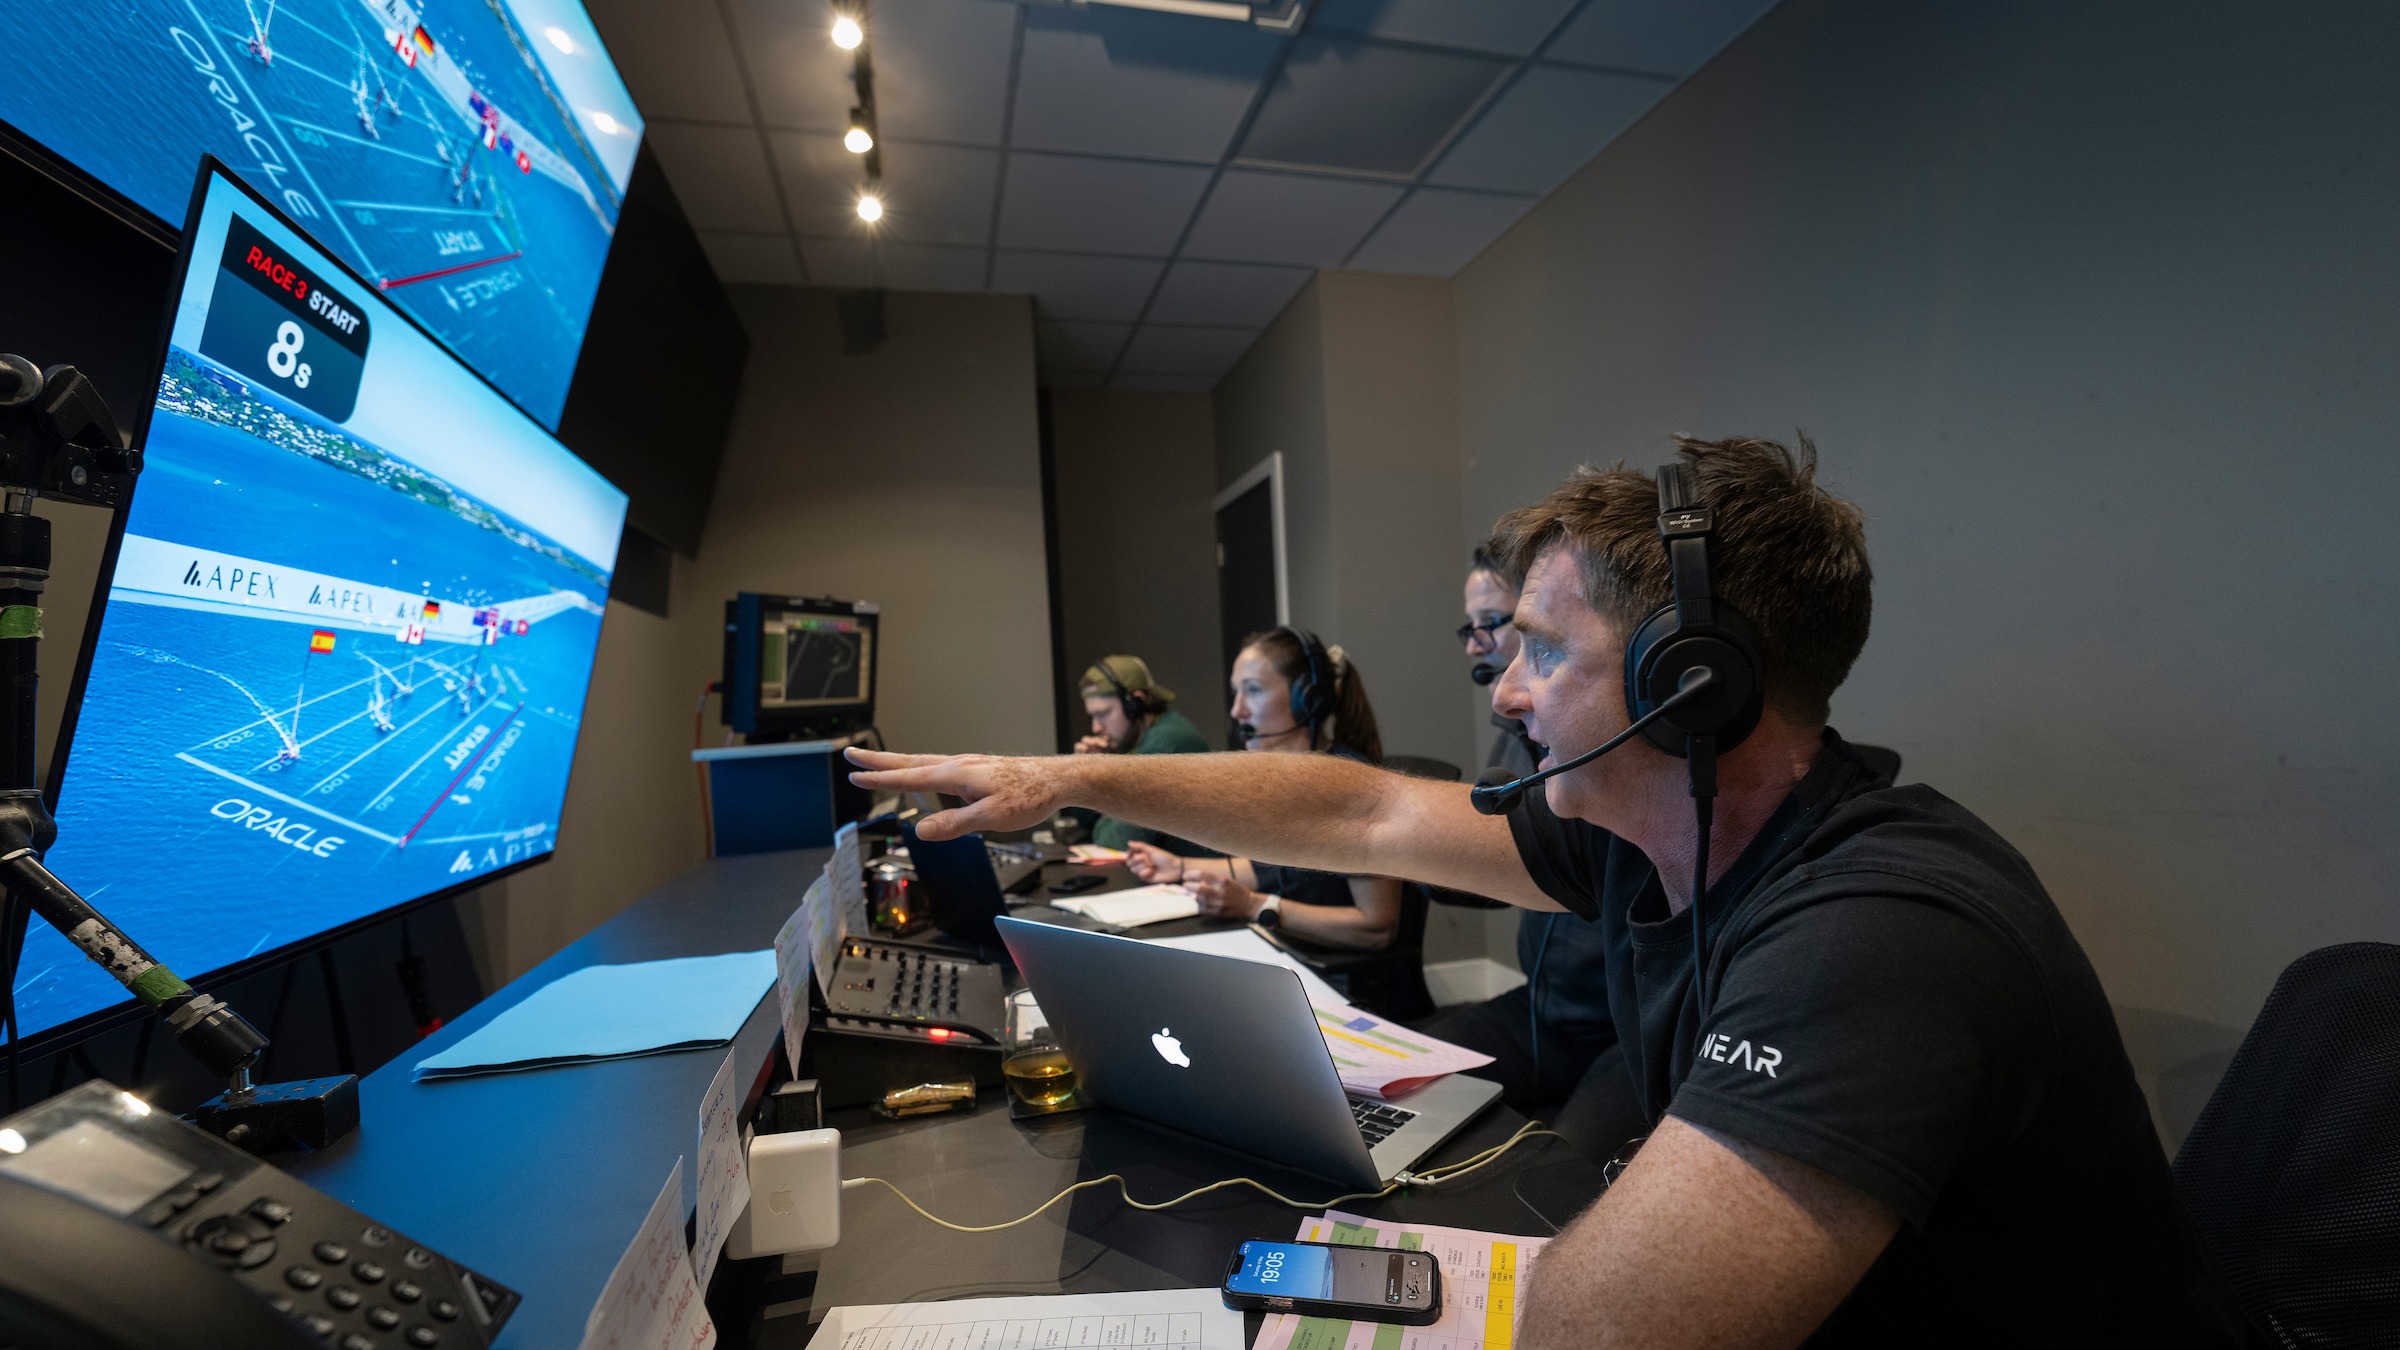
x: 616, y: 1012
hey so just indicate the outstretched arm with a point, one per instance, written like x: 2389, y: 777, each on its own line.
x: 1317, y: 811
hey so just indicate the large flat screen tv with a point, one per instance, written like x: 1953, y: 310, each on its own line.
x: 346, y: 640
x: 468, y: 157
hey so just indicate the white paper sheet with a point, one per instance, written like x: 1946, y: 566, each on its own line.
x: 849, y: 879
x: 822, y: 924
x: 651, y: 1301
x: 1244, y: 945
x: 724, y: 1176
x: 1133, y: 908
x: 791, y: 979
x: 1184, y: 1319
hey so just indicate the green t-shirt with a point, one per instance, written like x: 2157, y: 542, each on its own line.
x: 1170, y: 733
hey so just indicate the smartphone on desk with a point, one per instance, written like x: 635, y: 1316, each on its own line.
x: 1323, y: 1279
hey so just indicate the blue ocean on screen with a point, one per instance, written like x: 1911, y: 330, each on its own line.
x: 431, y: 144
x: 325, y: 683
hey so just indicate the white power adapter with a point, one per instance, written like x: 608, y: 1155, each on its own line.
x: 795, y: 1195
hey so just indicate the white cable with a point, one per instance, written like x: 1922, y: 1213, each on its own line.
x: 1532, y: 1129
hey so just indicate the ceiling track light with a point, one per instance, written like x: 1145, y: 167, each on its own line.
x: 870, y: 205
x: 861, y: 136
x: 848, y: 33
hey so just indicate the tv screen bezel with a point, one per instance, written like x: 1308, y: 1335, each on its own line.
x: 104, y: 1019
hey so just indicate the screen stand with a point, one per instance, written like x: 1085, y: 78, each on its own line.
x: 58, y: 439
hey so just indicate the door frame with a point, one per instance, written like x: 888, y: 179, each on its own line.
x: 1271, y: 470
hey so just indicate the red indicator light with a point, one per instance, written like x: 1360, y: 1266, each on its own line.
x: 940, y: 1033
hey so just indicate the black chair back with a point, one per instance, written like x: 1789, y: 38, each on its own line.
x: 2292, y: 1174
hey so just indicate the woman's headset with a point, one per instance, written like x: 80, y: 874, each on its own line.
x: 1316, y: 688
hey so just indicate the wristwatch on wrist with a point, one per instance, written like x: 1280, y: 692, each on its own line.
x: 1269, y: 913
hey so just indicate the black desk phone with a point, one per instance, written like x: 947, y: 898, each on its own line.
x: 338, y: 1278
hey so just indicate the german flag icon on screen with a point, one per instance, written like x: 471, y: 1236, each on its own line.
x: 433, y: 610
x: 320, y: 641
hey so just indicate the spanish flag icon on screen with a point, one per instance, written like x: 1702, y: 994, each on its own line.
x: 320, y: 641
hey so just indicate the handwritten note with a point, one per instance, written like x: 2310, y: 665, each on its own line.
x: 822, y: 924
x: 651, y: 1301
x: 791, y: 976
x: 849, y: 879
x: 724, y: 1170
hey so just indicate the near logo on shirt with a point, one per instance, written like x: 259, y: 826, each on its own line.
x: 1763, y: 1060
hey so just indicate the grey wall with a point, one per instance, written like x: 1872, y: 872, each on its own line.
x: 909, y: 476
x: 2093, y: 308
x: 1356, y: 385
x: 1134, y: 473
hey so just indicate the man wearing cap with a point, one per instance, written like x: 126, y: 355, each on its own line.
x: 1132, y: 714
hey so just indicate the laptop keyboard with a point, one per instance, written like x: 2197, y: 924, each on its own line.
x: 1378, y: 1122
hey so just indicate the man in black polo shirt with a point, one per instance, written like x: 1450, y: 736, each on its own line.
x: 1904, y: 1117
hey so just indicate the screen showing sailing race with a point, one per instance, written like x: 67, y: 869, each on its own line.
x: 468, y: 156
x: 344, y: 652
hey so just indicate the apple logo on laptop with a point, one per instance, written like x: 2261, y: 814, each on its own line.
x: 1171, y: 1049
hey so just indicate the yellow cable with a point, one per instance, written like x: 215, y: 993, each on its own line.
x: 1530, y: 1130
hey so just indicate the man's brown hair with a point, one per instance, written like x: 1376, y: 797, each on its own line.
x: 1789, y: 555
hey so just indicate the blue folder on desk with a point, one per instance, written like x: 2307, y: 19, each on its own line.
x: 615, y: 1012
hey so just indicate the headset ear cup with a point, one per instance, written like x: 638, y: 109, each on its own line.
x: 1656, y: 658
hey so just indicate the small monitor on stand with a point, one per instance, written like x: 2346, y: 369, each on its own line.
x: 797, y: 668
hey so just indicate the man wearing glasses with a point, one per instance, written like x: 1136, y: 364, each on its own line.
x: 1553, y: 1046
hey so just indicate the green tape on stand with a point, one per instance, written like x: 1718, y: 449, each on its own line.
x: 158, y: 984
x: 20, y: 621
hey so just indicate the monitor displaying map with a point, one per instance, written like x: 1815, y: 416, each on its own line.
x: 345, y: 648
x: 468, y: 157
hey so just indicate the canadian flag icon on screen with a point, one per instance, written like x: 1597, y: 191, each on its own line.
x: 413, y: 634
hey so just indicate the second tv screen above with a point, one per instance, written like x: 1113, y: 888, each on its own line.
x: 468, y: 156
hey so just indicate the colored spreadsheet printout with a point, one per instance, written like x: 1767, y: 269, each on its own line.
x: 1481, y: 1274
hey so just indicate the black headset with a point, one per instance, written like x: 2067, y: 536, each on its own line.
x: 1136, y: 702
x: 1694, y: 686
x: 1314, y: 692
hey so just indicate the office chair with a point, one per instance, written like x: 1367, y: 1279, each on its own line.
x: 2292, y: 1175
x: 1420, y: 766
x: 1390, y: 982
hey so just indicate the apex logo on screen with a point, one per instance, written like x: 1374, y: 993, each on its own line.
x: 1170, y: 1049
x: 275, y: 321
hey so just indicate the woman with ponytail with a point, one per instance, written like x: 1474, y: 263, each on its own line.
x: 1292, y: 695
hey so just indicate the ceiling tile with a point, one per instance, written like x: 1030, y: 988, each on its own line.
x: 1674, y: 39
x: 1548, y: 125
x: 932, y: 194
x: 1079, y: 346
x: 1162, y: 349
x: 1167, y: 86
x: 848, y: 264
x: 1513, y: 27
x: 720, y: 176
x: 1079, y: 205
x: 802, y: 79
x: 1077, y: 286
x: 1346, y: 103
x: 1164, y: 384
x: 1287, y: 218
x: 1436, y: 232
x: 753, y: 259
x: 932, y: 267
x: 675, y: 57
x: 941, y: 68
x: 1234, y: 294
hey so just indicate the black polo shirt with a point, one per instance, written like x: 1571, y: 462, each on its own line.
x: 1894, y: 1000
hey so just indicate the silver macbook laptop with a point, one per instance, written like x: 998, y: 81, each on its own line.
x: 1226, y: 1049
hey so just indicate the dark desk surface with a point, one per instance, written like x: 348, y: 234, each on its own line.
x: 540, y: 1179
